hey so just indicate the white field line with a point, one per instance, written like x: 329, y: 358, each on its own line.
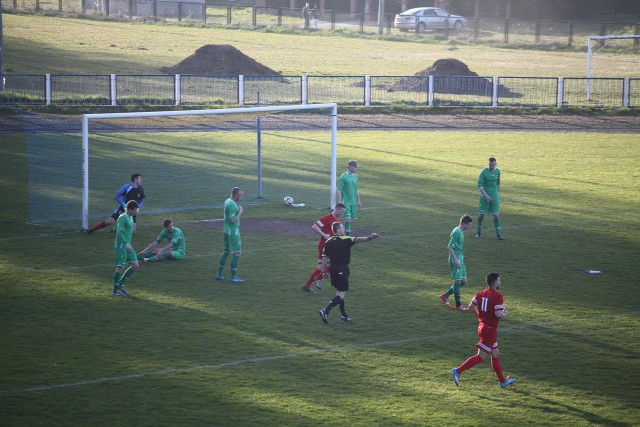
x: 261, y: 359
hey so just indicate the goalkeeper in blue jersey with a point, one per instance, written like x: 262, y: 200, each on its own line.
x: 489, y: 186
x: 175, y: 249
x: 128, y: 192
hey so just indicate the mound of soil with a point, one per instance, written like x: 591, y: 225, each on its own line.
x: 219, y: 60
x: 448, y: 67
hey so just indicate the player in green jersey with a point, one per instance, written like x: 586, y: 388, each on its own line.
x: 124, y: 252
x: 456, y: 263
x: 175, y: 249
x: 232, y: 242
x: 349, y: 195
x: 489, y: 186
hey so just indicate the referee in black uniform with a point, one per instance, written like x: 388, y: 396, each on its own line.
x: 338, y: 250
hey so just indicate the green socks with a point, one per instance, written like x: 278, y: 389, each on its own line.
x: 222, y: 262
x: 234, y: 265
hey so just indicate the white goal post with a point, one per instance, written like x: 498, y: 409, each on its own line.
x: 590, y: 40
x: 325, y: 181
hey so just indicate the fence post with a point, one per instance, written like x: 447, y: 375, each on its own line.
x: 506, y: 31
x: 560, y: 94
x: 279, y: 17
x: 537, y: 32
x: 47, y: 89
x: 176, y: 90
x: 430, y: 94
x: 83, y: 6
x: 636, y: 41
x: 494, y: 95
x: 130, y: 9
x: 60, y: 6
x: 333, y: 19
x: 15, y: 4
x: 229, y: 15
x: 114, y: 92
x: 305, y: 89
x: 37, y: 5
x: 446, y: 28
x: 107, y: 6
x: 476, y: 32
x: 179, y: 11
x: 362, y: 22
x: 570, y: 33
x: 603, y: 32
x: 241, y: 90
x: 254, y: 16
x: 204, y: 12
x: 155, y: 10
x: 626, y: 92
x: 367, y: 91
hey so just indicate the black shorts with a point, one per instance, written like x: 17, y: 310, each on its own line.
x: 340, y: 277
x: 119, y: 211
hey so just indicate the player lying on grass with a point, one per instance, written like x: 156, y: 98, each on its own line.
x: 175, y: 249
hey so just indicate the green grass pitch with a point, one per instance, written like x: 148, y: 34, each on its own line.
x: 184, y: 349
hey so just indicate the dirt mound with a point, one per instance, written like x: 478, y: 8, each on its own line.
x: 219, y: 60
x: 458, y: 84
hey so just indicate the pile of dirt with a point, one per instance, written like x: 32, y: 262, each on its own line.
x: 219, y: 60
x: 448, y: 67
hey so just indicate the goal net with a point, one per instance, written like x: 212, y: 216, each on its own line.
x: 188, y: 159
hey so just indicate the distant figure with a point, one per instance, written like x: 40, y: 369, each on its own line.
x: 306, y: 14
x: 456, y: 263
x: 315, y: 14
x: 124, y: 252
x: 349, y: 194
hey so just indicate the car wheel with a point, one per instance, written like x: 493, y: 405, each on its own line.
x: 421, y: 28
x: 457, y: 26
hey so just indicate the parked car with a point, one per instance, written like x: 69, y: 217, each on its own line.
x: 432, y: 18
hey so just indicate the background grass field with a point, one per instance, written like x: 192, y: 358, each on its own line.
x: 184, y: 349
x: 40, y: 44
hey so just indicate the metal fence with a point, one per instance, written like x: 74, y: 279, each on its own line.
x: 370, y: 91
x: 490, y: 30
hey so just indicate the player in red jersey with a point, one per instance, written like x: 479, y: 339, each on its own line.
x: 488, y: 306
x: 324, y: 229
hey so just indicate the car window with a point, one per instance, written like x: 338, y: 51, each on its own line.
x: 429, y: 12
x: 442, y: 13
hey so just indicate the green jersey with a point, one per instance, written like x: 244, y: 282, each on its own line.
x: 176, y: 237
x: 230, y: 212
x: 124, y: 230
x: 456, y: 241
x: 348, y: 185
x: 489, y: 180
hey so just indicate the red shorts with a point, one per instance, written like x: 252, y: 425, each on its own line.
x: 488, y: 337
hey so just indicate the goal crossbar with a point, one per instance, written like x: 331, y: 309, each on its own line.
x: 255, y: 110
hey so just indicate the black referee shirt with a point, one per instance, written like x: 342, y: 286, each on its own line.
x: 338, y: 249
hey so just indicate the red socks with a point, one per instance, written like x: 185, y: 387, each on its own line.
x: 497, y: 367
x: 470, y: 363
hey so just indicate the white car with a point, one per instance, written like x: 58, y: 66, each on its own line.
x: 432, y: 18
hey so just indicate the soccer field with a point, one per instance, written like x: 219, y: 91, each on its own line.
x: 185, y: 349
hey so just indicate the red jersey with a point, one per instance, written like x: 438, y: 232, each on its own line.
x: 326, y: 224
x: 488, y: 302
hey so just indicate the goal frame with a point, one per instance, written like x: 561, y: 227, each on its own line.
x: 590, y: 40
x: 301, y: 107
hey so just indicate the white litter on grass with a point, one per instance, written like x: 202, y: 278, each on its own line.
x: 593, y: 271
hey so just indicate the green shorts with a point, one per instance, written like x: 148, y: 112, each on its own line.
x: 123, y: 257
x: 232, y: 243
x: 177, y: 254
x: 486, y: 207
x: 458, y: 273
x: 351, y: 212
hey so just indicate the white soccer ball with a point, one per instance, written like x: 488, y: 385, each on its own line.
x: 288, y: 200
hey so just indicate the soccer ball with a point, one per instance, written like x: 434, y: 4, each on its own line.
x: 288, y: 200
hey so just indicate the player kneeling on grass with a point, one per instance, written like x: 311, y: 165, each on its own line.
x: 338, y: 251
x: 488, y: 306
x: 176, y: 249
x: 124, y: 252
